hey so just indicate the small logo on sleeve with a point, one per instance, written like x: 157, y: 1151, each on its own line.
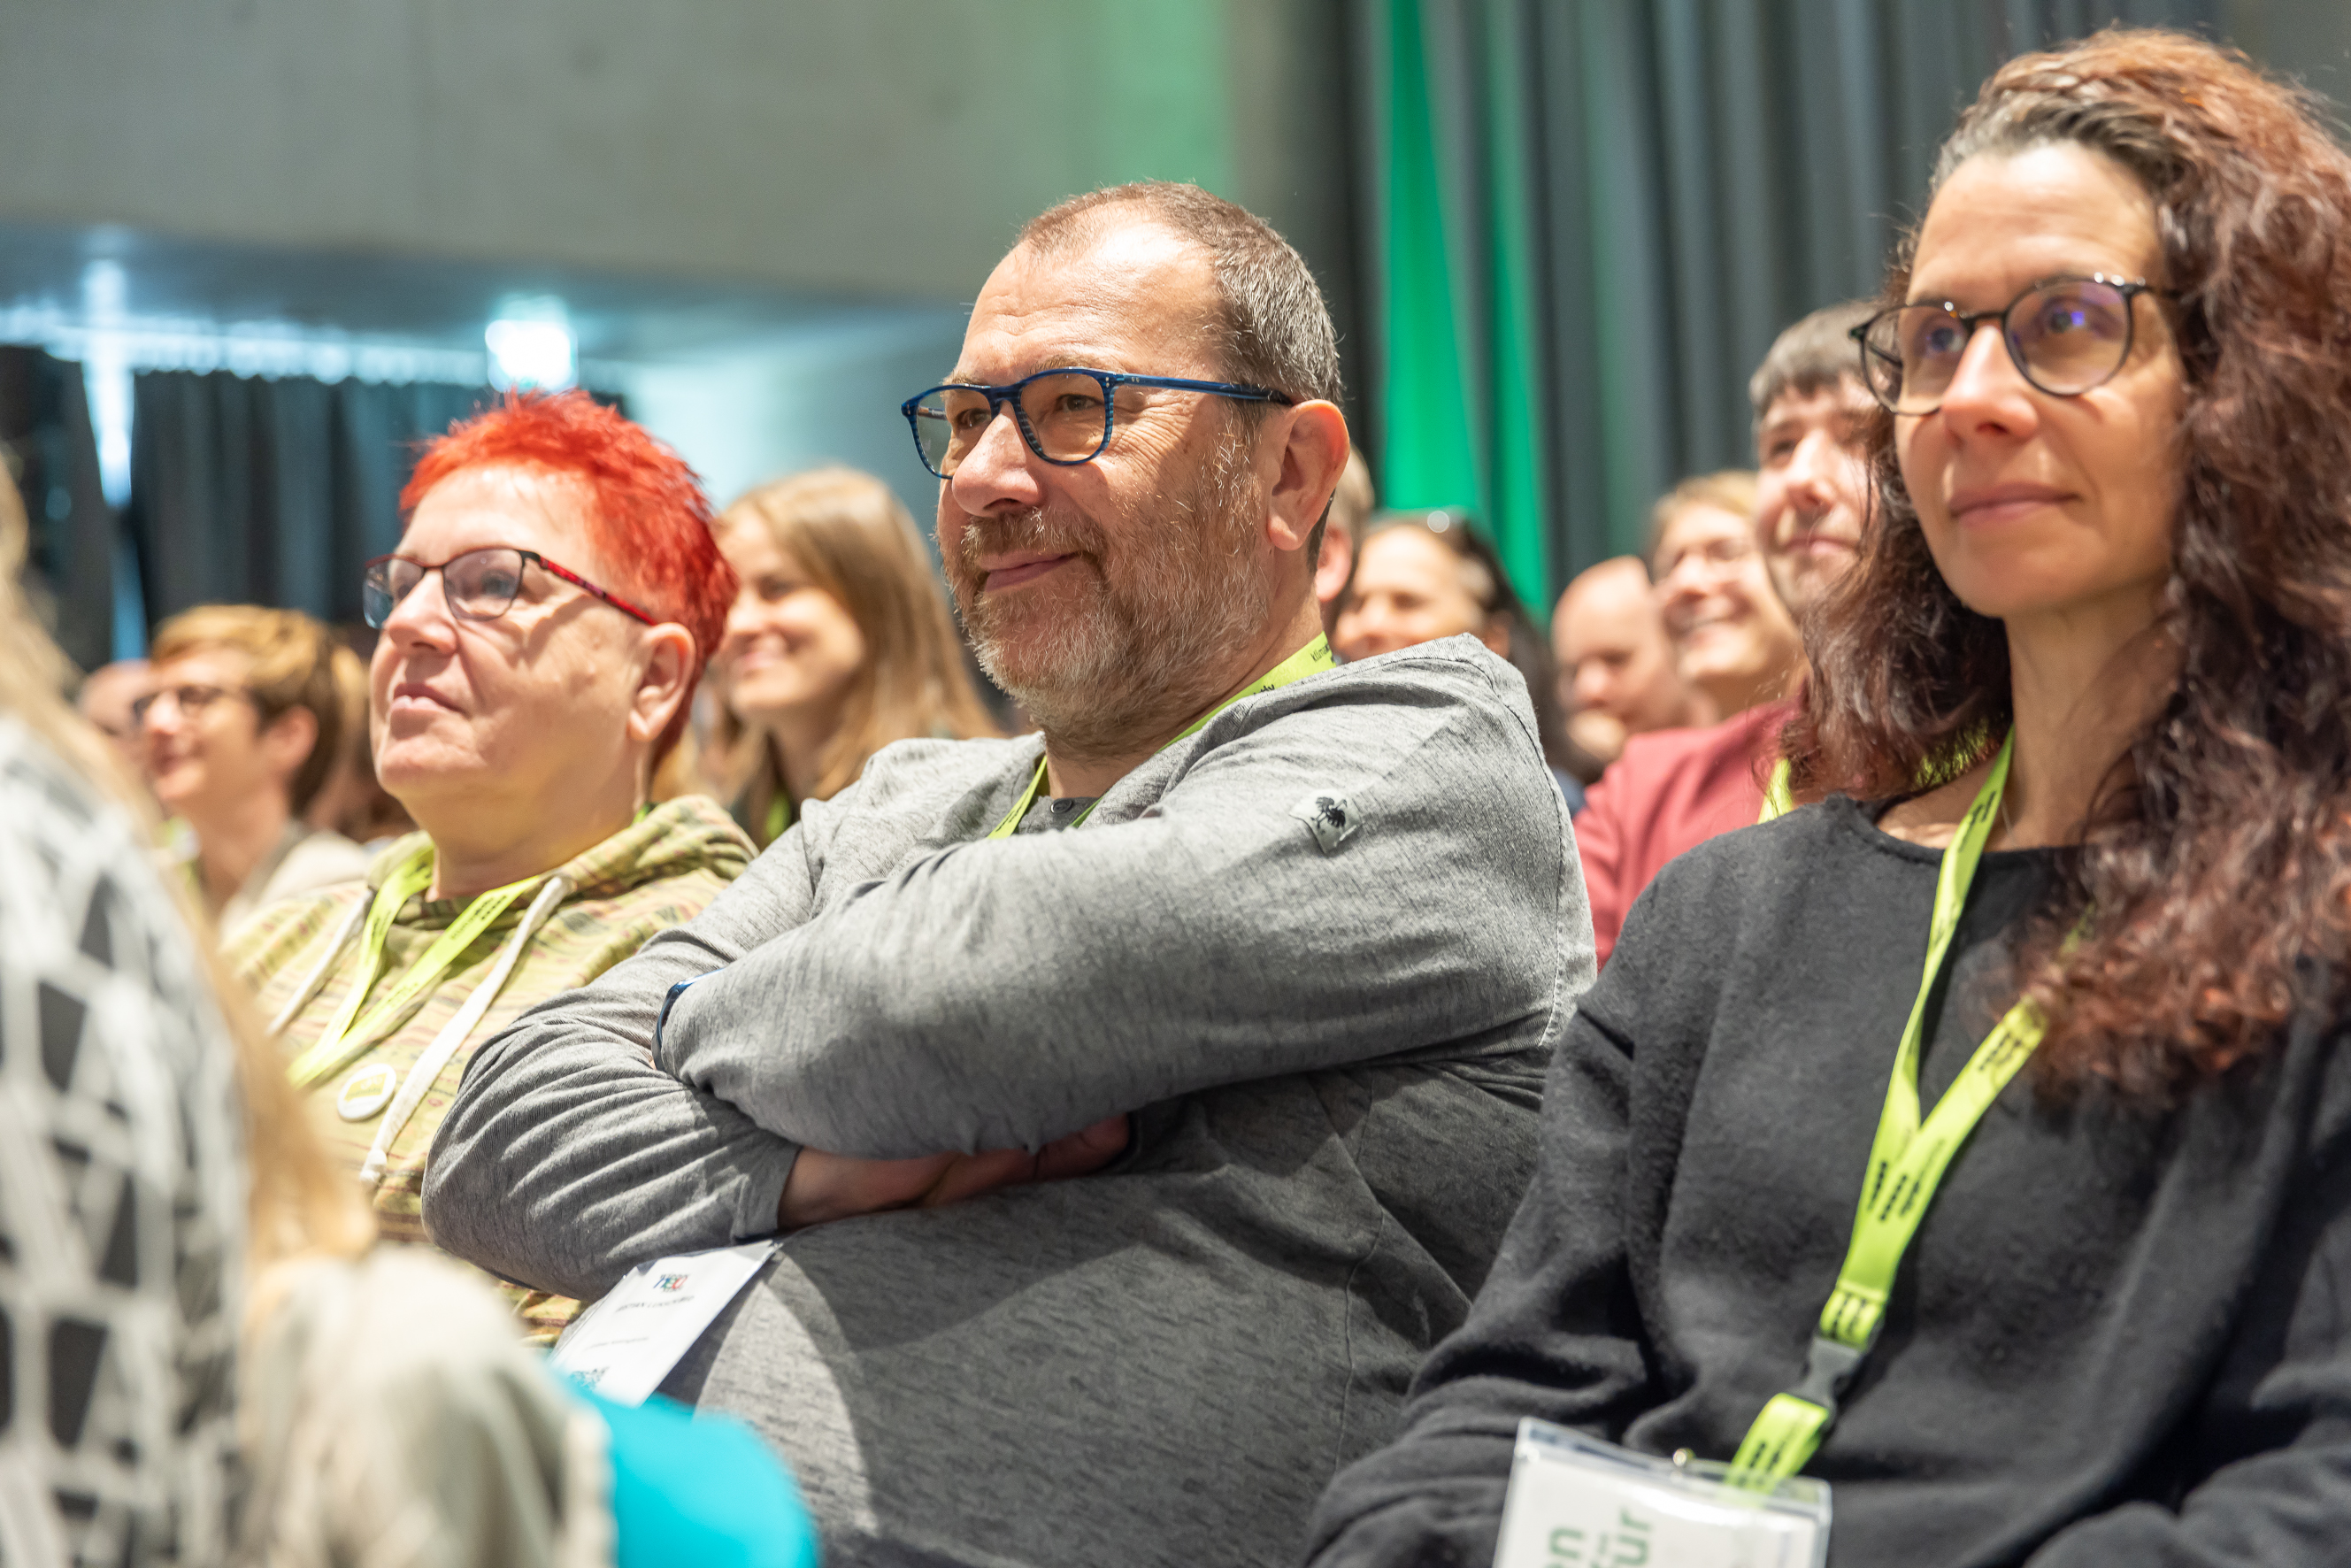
x: 1329, y: 818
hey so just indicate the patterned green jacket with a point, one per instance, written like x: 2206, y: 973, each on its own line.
x: 659, y: 872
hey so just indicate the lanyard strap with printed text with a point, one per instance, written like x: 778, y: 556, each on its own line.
x: 344, y: 1040
x: 1311, y: 660
x: 1907, y: 1161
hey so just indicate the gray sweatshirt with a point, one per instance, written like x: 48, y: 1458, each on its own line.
x: 1323, y: 949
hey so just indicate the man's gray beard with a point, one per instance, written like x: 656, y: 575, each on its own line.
x: 1142, y: 658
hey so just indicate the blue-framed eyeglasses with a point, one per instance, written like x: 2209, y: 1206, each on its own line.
x: 1065, y: 416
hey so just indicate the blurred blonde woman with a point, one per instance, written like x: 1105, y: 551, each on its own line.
x: 839, y: 642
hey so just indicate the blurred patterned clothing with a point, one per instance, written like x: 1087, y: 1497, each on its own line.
x: 657, y: 873
x: 122, y: 1193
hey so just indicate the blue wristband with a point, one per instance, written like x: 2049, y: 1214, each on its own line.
x: 669, y: 1001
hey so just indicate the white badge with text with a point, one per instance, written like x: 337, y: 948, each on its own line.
x: 624, y: 1344
x: 1577, y: 1502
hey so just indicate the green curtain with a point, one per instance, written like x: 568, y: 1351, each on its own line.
x: 1586, y: 220
x: 1461, y: 382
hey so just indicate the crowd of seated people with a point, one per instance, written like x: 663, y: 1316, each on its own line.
x: 1267, y: 1113
x: 210, y: 1357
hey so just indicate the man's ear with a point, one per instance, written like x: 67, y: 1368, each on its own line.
x: 1313, y: 454
x: 665, y: 683
x: 286, y: 742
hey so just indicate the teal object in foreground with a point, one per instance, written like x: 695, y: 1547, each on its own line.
x: 706, y: 1492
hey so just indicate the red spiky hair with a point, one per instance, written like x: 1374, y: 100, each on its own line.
x: 647, y: 516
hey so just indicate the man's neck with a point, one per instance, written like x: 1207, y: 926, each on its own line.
x: 1070, y: 771
x: 231, y: 842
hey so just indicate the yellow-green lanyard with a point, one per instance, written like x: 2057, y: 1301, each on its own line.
x: 1778, y: 799
x: 1905, y: 1162
x: 343, y: 1044
x: 1312, y: 659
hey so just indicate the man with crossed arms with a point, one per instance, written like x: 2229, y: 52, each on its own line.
x: 1264, y: 957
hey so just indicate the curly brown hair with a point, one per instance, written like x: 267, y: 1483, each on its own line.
x: 2218, y: 855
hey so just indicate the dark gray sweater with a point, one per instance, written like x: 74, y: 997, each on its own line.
x: 1335, y: 1042
x: 2120, y: 1335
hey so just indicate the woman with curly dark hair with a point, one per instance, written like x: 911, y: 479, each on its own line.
x: 1975, y: 1140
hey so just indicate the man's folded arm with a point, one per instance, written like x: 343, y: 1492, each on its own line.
x: 1005, y: 994
x: 567, y: 1157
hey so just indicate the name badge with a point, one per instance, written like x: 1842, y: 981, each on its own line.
x: 366, y: 1092
x: 1577, y: 1502
x: 625, y: 1343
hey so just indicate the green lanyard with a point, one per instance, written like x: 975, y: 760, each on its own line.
x: 342, y: 1043
x: 779, y: 814
x: 1778, y: 799
x: 1312, y: 659
x: 1905, y: 1162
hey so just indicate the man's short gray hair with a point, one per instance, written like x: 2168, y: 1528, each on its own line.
x: 1812, y: 356
x: 1276, y: 327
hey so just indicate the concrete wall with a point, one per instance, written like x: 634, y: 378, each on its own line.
x: 877, y: 152
x: 871, y: 148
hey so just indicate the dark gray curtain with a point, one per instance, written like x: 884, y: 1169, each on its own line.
x: 45, y: 441
x: 1696, y: 174
x: 274, y: 492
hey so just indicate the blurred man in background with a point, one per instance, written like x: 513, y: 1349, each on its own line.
x: 1619, y: 676
x: 110, y: 699
x: 1316, y: 928
x: 1670, y: 791
x: 1351, y: 505
x: 243, y: 727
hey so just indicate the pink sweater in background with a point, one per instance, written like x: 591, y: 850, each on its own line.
x: 1671, y: 790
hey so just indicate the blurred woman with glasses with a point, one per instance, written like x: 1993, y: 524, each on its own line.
x: 242, y: 727
x: 555, y: 594
x: 839, y: 642
x: 1976, y: 1140
x: 1420, y: 576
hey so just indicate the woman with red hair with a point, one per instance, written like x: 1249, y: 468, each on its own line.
x: 555, y: 596
x: 1974, y: 1140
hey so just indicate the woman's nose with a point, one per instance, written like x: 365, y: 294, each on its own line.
x: 423, y: 612
x: 1987, y: 389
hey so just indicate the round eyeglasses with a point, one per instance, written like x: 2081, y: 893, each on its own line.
x: 1064, y: 415
x: 480, y: 584
x: 2065, y: 335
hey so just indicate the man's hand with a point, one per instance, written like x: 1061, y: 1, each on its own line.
x: 834, y: 1186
